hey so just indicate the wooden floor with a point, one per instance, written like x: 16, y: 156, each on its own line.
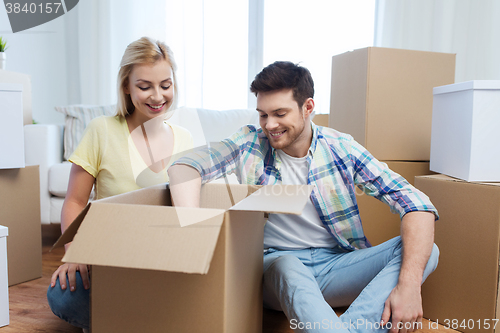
x: 29, y: 311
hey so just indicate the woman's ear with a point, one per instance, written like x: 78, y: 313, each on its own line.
x: 126, y: 88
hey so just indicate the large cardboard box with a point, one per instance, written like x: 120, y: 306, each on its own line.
x: 20, y: 212
x: 157, y: 268
x: 463, y: 292
x: 11, y: 126
x: 465, y: 135
x: 383, y: 98
x: 379, y: 224
x: 4, y: 284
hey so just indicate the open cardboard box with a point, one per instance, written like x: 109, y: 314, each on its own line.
x: 156, y: 268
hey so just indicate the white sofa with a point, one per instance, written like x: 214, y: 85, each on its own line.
x: 44, y: 147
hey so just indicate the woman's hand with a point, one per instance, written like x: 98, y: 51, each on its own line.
x: 79, y: 188
x: 70, y: 270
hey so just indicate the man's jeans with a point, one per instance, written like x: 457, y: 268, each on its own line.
x: 71, y: 306
x: 307, y: 283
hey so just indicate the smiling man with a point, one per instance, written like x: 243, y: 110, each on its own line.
x: 322, y: 259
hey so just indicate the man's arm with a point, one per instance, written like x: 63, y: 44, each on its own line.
x: 404, y: 303
x: 185, y: 185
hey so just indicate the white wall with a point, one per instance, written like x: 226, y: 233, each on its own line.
x: 75, y: 58
x: 40, y: 53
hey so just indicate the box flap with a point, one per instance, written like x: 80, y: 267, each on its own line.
x: 278, y: 199
x: 70, y: 232
x: 146, y: 237
x: 156, y: 195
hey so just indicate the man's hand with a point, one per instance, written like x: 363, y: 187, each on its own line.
x: 405, y: 305
x: 70, y: 270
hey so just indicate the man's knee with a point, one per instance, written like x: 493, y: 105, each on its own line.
x: 284, y: 264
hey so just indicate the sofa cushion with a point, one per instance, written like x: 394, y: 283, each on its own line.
x: 77, y: 118
x: 59, y: 178
x: 210, y: 125
x: 56, y: 204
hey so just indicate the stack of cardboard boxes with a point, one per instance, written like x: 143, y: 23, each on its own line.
x: 404, y: 108
x: 19, y: 183
x: 383, y: 98
x: 463, y: 292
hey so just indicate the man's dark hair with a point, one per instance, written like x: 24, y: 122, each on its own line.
x: 285, y: 75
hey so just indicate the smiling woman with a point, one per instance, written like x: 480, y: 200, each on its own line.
x: 114, y: 150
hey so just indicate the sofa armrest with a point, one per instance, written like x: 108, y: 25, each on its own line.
x: 43, y: 146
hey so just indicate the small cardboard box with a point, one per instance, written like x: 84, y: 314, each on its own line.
x: 379, y: 224
x: 11, y: 126
x: 463, y: 292
x: 4, y: 283
x: 157, y: 268
x: 465, y: 135
x: 20, y: 212
x: 383, y: 98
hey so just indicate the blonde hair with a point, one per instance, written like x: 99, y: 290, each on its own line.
x: 143, y: 51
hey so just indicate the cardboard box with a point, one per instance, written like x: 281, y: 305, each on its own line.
x: 157, y: 268
x: 383, y: 98
x: 4, y: 283
x: 321, y: 119
x: 465, y: 135
x: 20, y: 212
x: 11, y: 126
x: 464, y: 288
x: 379, y: 224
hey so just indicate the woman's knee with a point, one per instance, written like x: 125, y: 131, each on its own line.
x: 71, y: 306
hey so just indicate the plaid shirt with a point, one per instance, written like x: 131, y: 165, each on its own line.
x: 338, y: 165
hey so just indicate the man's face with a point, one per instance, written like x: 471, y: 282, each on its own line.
x: 284, y: 123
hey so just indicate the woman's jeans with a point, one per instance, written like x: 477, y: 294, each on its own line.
x: 71, y: 306
x: 307, y: 283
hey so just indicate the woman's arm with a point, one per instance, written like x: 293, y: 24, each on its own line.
x: 79, y: 188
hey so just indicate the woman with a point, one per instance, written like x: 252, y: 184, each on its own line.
x: 119, y: 154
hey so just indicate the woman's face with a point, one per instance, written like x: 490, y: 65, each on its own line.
x: 151, y: 89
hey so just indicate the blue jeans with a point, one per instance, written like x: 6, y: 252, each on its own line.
x: 306, y: 284
x: 71, y: 306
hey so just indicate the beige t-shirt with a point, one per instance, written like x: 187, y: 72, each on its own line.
x: 107, y: 152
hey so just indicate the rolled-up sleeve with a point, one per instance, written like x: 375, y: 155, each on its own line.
x: 377, y: 180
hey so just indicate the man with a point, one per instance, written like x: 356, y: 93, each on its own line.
x: 321, y: 259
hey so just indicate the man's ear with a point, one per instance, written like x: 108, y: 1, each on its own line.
x: 308, y: 107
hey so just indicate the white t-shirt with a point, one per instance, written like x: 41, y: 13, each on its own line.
x: 293, y: 232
